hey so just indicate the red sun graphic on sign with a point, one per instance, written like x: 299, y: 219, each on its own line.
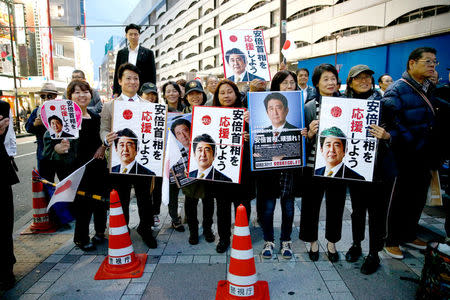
x: 64, y: 187
x: 286, y: 45
x: 233, y: 38
x: 336, y: 111
x: 52, y: 107
x: 206, y: 120
x: 127, y: 114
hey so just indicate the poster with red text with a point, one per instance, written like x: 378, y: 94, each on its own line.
x: 216, y: 143
x: 244, y: 55
x: 345, y: 147
x: 62, y: 118
x: 141, y: 135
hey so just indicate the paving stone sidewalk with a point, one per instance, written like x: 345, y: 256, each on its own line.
x: 178, y: 270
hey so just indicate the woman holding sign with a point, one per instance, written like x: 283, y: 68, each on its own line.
x: 227, y: 95
x: 75, y: 154
x: 372, y: 197
x: 324, y: 79
x: 273, y: 184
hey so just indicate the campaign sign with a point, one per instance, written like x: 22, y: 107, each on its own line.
x: 180, y: 126
x: 62, y: 118
x: 276, y: 119
x: 141, y: 130
x: 216, y: 143
x: 345, y: 147
x: 244, y: 55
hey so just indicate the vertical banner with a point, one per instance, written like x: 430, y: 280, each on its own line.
x: 244, y: 55
x: 62, y: 118
x: 216, y: 143
x: 44, y: 36
x: 180, y: 127
x: 276, y: 119
x: 345, y: 147
x: 20, y: 24
x: 141, y: 130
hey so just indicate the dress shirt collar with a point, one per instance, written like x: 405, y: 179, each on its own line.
x: 129, y: 167
x: 206, y: 172
x: 335, y: 169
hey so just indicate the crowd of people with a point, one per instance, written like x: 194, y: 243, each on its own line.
x: 412, y: 122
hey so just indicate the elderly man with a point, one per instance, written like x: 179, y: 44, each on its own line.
x: 237, y: 61
x: 96, y: 103
x: 35, y: 126
x: 211, y: 84
x: 384, y: 82
x: 128, y: 78
x: 308, y: 92
x: 411, y: 109
x: 137, y: 55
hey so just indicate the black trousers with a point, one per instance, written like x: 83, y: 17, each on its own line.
x: 335, y: 192
x: 373, y: 198
x: 224, y: 215
x: 405, y: 208
x: 84, y: 209
x: 156, y: 195
x: 6, y: 232
x: 122, y: 184
x: 190, y: 209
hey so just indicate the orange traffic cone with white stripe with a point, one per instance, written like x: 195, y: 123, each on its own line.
x: 41, y: 221
x: 242, y: 282
x: 121, y: 261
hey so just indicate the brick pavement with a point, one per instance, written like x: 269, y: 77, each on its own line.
x: 178, y: 270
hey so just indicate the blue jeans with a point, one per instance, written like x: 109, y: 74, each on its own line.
x: 287, y: 217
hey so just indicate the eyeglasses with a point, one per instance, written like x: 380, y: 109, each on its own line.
x: 429, y: 62
x: 48, y: 96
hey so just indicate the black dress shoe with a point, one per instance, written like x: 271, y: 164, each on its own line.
x: 7, y: 282
x: 371, y: 264
x: 148, y: 238
x: 222, y: 246
x: 98, y: 238
x: 353, y: 253
x: 313, y: 255
x: 333, y: 257
x: 86, y: 247
x: 193, y: 239
x: 209, y: 235
x: 178, y: 226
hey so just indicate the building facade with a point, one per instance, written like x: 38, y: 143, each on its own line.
x: 185, y: 34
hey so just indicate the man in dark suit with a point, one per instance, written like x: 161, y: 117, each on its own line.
x: 238, y: 62
x: 127, y: 148
x: 137, y: 55
x: 7, y: 278
x: 204, y: 152
x: 332, y: 147
x: 308, y: 92
x: 56, y: 124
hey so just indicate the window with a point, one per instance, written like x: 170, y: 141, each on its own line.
x: 305, y: 12
x: 258, y: 5
x: 421, y: 13
x: 231, y: 18
x: 59, y: 49
x: 348, y: 32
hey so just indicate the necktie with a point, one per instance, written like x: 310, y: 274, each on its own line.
x: 131, y: 99
x: 330, y: 173
x: 202, y: 175
x: 124, y: 171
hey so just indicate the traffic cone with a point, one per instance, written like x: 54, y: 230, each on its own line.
x: 242, y: 282
x: 41, y: 221
x: 121, y: 261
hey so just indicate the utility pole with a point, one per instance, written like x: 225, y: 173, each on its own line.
x: 282, y: 27
x: 13, y: 60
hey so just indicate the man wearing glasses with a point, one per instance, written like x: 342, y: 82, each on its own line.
x: 35, y: 126
x: 410, y: 112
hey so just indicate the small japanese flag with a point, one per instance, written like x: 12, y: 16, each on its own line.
x: 288, y: 47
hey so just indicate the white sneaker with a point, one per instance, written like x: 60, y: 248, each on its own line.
x: 286, y: 251
x: 268, y: 249
x: 156, y: 221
